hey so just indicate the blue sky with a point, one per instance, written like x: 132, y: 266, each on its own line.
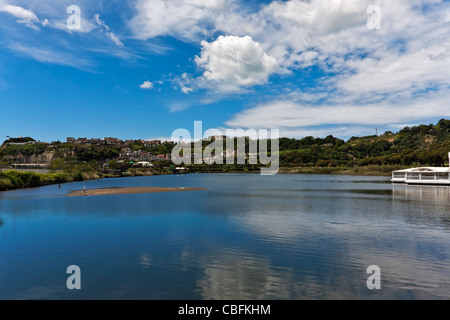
x: 144, y: 68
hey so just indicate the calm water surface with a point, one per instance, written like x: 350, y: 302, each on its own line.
x: 245, y: 237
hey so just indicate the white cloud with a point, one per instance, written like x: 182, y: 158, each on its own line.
x: 397, y: 73
x: 297, y: 119
x: 232, y: 61
x: 163, y: 139
x: 86, y: 25
x: 210, y: 4
x: 184, y: 19
x: 322, y: 16
x: 111, y: 35
x: 25, y: 16
x: 114, y: 39
x: 186, y: 90
x: 178, y: 106
x: 146, y: 85
x: 55, y: 12
x: 19, y: 12
x: 47, y: 55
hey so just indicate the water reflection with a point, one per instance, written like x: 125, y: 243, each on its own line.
x: 245, y: 237
x: 234, y: 274
x: 145, y: 260
x: 50, y: 291
x: 430, y: 194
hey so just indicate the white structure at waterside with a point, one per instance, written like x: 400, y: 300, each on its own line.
x: 425, y: 175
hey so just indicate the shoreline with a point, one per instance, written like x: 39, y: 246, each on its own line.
x: 132, y: 190
x: 34, y: 180
x: 356, y: 171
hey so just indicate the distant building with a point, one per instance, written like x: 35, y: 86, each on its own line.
x: 95, y: 141
x: 152, y: 143
x: 81, y: 141
x: 70, y: 140
x: 115, y: 141
x: 145, y: 156
x: 143, y: 164
x: 163, y: 157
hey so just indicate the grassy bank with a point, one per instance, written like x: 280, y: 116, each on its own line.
x: 373, y: 170
x: 141, y: 172
x: 16, y: 179
x: 11, y: 179
x: 223, y: 168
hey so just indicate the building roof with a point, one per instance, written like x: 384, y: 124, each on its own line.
x: 426, y: 170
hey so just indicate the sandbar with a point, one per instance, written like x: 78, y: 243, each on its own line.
x: 114, y: 191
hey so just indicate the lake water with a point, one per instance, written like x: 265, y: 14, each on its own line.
x: 246, y: 237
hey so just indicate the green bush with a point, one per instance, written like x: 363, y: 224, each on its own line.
x: 17, y: 179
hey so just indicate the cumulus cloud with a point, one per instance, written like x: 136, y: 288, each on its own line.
x: 232, y: 62
x: 185, y: 19
x: 410, y: 72
x: 388, y: 76
x: 146, y: 85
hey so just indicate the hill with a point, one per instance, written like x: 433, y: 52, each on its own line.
x: 424, y: 145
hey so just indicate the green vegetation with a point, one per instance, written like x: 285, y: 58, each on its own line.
x: 96, y: 153
x: 164, y: 148
x: 73, y: 166
x: 19, y: 140
x: 139, y: 172
x: 225, y: 168
x: 16, y: 179
x: 424, y: 145
x: 26, y: 150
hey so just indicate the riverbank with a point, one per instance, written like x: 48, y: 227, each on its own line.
x: 134, y: 190
x: 11, y: 179
x: 375, y: 170
x: 384, y: 171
